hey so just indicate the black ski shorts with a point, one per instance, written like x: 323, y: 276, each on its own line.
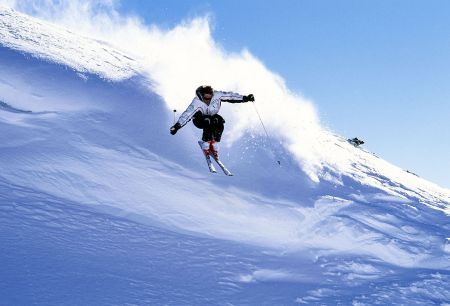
x: 212, y: 126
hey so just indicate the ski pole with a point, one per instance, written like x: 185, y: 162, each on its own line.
x: 260, y: 120
x: 262, y: 123
x: 174, y: 111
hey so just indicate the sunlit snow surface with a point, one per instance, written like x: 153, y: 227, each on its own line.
x: 101, y: 206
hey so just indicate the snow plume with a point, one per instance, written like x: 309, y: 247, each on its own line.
x: 180, y: 59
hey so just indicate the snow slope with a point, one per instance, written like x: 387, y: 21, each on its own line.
x: 96, y: 195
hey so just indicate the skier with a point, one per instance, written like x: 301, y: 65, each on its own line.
x: 203, y: 111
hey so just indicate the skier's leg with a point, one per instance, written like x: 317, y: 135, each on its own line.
x: 203, y: 122
x: 218, y: 126
x: 197, y: 120
x: 207, y: 128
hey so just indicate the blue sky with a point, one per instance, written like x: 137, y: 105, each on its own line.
x: 378, y: 70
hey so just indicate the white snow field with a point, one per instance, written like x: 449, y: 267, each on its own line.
x: 100, y: 205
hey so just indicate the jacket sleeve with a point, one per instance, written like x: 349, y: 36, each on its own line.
x: 231, y: 97
x: 189, y: 112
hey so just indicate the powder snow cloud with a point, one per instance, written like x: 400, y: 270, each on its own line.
x: 178, y: 60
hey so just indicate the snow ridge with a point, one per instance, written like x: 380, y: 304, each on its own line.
x: 50, y: 42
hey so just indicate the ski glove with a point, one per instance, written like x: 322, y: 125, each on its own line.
x: 174, y: 129
x: 250, y: 97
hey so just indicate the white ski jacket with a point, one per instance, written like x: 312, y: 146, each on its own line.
x: 213, y: 108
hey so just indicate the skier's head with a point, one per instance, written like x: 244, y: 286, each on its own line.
x: 205, y: 93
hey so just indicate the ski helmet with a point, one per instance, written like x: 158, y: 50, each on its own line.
x: 204, y: 89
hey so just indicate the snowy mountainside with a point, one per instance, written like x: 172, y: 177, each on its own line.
x: 86, y: 55
x: 80, y: 53
x: 83, y: 130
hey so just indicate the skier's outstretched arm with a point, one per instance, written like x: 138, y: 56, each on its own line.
x: 174, y: 129
x: 232, y: 97
x: 185, y: 116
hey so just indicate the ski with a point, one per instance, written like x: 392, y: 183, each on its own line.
x: 211, y: 167
x: 222, y: 166
x: 208, y: 150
